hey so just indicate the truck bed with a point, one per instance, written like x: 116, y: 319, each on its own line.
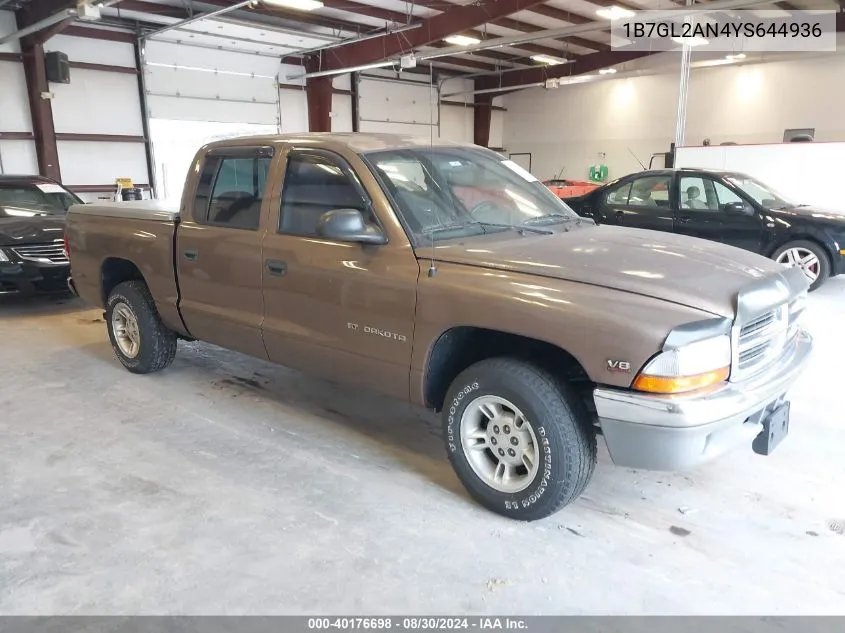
x: 162, y: 210
x: 108, y: 238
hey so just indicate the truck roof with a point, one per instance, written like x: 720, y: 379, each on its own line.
x: 359, y: 142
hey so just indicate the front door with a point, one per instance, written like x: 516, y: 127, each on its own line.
x: 743, y: 229
x: 698, y: 213
x: 337, y: 309
x: 218, y: 250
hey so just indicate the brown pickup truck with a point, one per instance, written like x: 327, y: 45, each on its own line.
x: 448, y: 276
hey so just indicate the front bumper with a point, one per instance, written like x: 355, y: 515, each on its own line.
x: 25, y: 277
x: 677, y: 432
x: 839, y: 263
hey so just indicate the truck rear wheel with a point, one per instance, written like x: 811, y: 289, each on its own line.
x: 141, y: 342
x: 519, y: 440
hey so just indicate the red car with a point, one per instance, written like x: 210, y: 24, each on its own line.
x: 570, y: 188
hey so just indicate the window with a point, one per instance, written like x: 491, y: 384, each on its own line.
x: 618, y: 195
x: 724, y: 195
x: 230, y: 190
x: 762, y: 194
x: 650, y: 191
x: 698, y: 193
x: 314, y: 184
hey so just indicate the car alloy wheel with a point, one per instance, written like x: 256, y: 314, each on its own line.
x: 805, y: 259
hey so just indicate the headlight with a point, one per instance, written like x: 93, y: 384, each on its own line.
x: 3, y: 256
x: 692, y: 366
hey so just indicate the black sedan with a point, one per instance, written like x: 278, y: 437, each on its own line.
x: 32, y: 220
x: 726, y: 207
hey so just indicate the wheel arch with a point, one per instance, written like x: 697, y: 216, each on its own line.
x: 805, y: 235
x: 116, y: 270
x: 459, y: 347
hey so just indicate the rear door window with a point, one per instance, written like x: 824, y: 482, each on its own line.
x: 230, y: 190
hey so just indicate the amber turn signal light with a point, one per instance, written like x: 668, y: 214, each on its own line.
x: 680, y: 384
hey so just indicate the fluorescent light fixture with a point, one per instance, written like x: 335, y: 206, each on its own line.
x: 302, y: 5
x: 695, y: 40
x: 607, y: 71
x: 549, y: 60
x: 615, y: 13
x: 461, y: 40
x: 731, y: 58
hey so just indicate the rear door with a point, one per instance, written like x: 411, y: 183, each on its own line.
x: 340, y: 310
x: 218, y: 250
x: 644, y: 202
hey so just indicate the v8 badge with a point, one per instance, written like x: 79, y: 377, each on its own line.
x: 618, y: 366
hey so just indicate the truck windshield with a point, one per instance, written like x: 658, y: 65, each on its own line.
x: 448, y: 192
x: 36, y: 198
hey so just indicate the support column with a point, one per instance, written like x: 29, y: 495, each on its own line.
x: 41, y: 110
x: 482, y: 115
x: 355, y: 83
x: 319, y: 93
x: 145, y: 117
x: 683, y: 89
x: 318, y: 90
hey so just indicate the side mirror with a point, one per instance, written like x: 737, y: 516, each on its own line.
x: 348, y: 225
x: 741, y: 208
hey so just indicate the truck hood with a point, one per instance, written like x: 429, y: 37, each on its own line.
x: 685, y: 270
x: 38, y: 229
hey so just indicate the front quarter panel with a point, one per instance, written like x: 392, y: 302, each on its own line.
x: 594, y: 324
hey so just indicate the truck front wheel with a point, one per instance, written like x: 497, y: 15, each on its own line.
x: 141, y: 342
x: 519, y: 440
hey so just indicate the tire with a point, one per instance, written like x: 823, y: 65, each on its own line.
x: 556, y: 419
x: 823, y: 268
x: 156, y: 345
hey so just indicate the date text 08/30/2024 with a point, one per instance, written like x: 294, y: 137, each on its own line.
x: 416, y: 623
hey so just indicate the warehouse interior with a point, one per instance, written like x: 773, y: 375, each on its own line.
x: 228, y: 485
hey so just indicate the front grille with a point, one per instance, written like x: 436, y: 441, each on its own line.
x: 760, y: 342
x: 52, y: 253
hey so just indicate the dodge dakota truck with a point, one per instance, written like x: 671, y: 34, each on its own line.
x: 448, y: 276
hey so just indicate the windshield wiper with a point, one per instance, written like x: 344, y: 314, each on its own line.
x: 448, y: 227
x: 462, y: 225
x: 552, y: 218
x: 518, y: 227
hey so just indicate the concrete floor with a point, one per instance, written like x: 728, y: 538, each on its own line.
x: 227, y: 485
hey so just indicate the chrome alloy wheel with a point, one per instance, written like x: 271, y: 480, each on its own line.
x: 499, y: 444
x: 124, y: 325
x: 805, y: 259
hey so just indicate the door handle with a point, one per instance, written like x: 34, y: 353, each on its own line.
x: 191, y: 255
x: 683, y: 220
x: 276, y: 267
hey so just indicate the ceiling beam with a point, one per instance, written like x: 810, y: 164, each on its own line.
x: 453, y: 20
x: 151, y: 8
x: 524, y: 27
x: 296, y: 16
x: 368, y: 10
x: 34, y: 12
x: 581, y: 66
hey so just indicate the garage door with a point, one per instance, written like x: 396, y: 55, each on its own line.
x: 397, y: 107
x: 198, y: 84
